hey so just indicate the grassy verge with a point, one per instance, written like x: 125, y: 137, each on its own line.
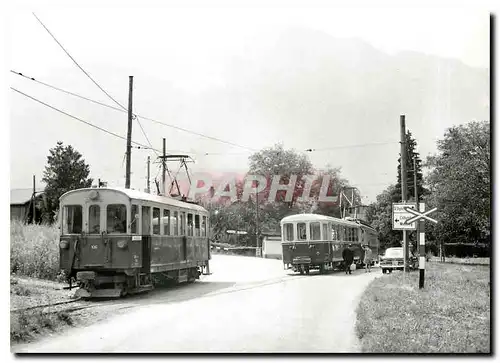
x: 28, y: 324
x: 34, y: 259
x: 450, y: 315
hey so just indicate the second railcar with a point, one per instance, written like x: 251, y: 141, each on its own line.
x: 313, y: 241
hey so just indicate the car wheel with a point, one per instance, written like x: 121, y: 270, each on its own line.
x: 383, y: 270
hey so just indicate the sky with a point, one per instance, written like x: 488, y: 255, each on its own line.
x: 184, y: 57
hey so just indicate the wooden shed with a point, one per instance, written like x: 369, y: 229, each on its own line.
x: 21, y: 204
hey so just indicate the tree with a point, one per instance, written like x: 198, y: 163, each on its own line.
x: 411, y: 153
x: 459, y: 183
x: 379, y: 214
x: 65, y: 170
x: 285, y: 163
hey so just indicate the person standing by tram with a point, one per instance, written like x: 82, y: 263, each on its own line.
x: 348, y: 257
x: 368, y: 258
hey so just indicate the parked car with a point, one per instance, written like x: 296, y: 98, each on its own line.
x: 393, y: 259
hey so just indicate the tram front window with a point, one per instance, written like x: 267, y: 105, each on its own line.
x: 301, y: 228
x: 72, y: 219
x: 288, y: 231
x: 116, y: 218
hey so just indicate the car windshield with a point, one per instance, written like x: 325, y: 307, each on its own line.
x: 394, y: 253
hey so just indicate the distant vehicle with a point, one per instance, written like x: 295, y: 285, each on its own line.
x: 393, y: 259
x: 117, y: 241
x: 316, y: 242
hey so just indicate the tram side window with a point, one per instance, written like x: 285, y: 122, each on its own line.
x: 73, y: 219
x: 183, y: 224
x: 301, y: 229
x: 156, y: 221
x: 190, y: 224
x: 325, y: 231
x: 146, y: 220
x: 288, y: 231
x: 175, y: 224
x: 197, y: 225
x: 315, y: 231
x: 94, y: 219
x: 116, y: 218
x: 166, y: 222
x: 134, y: 211
x: 204, y: 226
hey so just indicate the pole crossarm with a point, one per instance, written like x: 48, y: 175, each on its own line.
x: 419, y: 215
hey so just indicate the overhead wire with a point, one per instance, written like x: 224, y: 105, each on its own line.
x: 351, y: 146
x: 137, y: 115
x: 78, y: 65
x: 77, y: 118
x: 97, y: 84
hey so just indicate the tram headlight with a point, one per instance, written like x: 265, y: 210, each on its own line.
x: 63, y: 245
x: 121, y: 244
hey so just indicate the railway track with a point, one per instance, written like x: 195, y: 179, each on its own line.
x: 46, y: 305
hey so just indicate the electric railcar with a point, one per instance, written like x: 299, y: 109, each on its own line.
x: 117, y: 241
x: 316, y: 242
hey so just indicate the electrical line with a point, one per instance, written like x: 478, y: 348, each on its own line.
x: 88, y: 75
x: 146, y: 136
x: 83, y: 70
x: 76, y: 118
x: 67, y: 92
x: 352, y: 146
x: 137, y: 115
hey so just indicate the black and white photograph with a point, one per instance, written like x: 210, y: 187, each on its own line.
x: 249, y: 177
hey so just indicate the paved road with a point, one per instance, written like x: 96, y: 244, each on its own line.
x: 247, y: 305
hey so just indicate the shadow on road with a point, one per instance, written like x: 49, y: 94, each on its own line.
x: 177, y: 293
x: 333, y: 272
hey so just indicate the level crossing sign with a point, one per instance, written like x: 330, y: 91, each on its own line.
x: 420, y: 216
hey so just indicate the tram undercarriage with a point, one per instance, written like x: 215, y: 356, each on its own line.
x: 105, y: 284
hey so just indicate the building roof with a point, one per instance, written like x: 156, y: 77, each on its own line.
x: 22, y: 196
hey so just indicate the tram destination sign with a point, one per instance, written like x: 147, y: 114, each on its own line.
x: 400, y: 216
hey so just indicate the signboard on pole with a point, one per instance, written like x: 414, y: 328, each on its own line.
x: 400, y: 216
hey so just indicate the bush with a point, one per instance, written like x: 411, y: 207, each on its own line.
x: 34, y: 250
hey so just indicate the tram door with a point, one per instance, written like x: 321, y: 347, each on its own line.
x: 146, y: 239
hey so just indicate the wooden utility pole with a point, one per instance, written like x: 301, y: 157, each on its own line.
x: 164, y: 167
x: 129, y: 132
x: 403, y: 182
x: 148, y: 187
x: 34, y: 196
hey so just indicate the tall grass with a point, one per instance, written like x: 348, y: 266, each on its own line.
x: 34, y: 250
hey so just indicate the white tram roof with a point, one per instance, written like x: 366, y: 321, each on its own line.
x: 309, y: 217
x: 138, y: 195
